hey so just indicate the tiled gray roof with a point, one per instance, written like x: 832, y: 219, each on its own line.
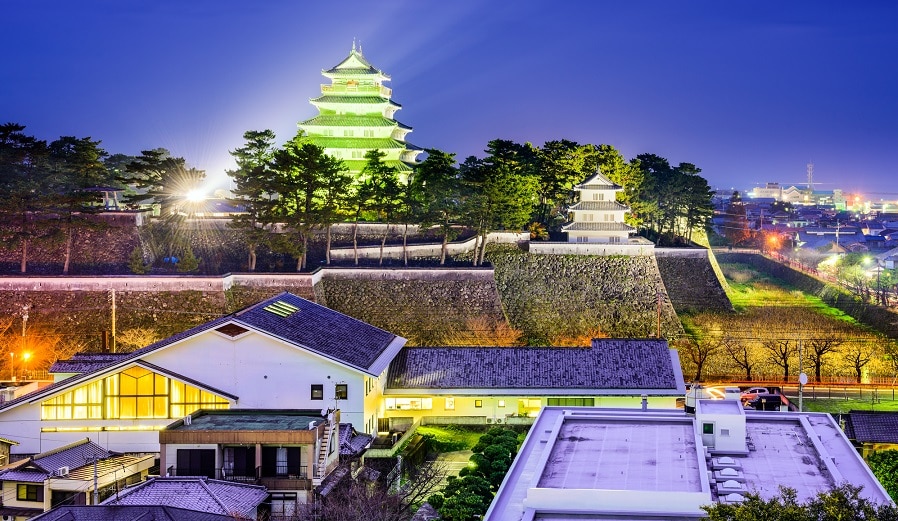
x: 872, y: 426
x: 248, y: 420
x: 610, y: 365
x: 321, y: 330
x: 597, y: 227
x: 128, y: 513
x: 598, y: 206
x: 194, y: 493
x: 40, y: 466
x: 352, y: 442
x: 86, y: 362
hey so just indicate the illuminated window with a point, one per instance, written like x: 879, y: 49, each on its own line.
x: 30, y: 492
x: 317, y: 391
x: 478, y: 403
x: 135, y: 393
x: 341, y: 391
x: 409, y: 404
x: 501, y: 403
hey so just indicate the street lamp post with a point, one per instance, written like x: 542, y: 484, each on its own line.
x: 12, y: 366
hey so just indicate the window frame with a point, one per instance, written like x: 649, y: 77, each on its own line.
x: 341, y: 391
x: 317, y: 389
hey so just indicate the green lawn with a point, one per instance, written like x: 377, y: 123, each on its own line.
x: 449, y: 438
x: 836, y: 405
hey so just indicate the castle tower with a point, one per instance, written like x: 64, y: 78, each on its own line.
x: 597, y: 216
x: 355, y: 115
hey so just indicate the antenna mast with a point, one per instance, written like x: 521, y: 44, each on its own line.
x: 811, y: 177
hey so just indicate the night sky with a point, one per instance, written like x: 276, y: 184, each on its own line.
x: 748, y: 91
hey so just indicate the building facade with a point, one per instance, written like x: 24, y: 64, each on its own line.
x: 597, y: 217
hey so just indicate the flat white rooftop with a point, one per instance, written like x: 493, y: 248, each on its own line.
x: 609, y: 464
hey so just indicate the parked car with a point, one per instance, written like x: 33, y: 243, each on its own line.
x: 754, y: 392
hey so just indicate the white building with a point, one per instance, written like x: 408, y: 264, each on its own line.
x: 587, y: 463
x: 597, y: 216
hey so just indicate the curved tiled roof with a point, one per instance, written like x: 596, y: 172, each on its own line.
x: 349, y: 120
x: 364, y: 143
x: 597, y: 182
x: 196, y: 493
x: 598, y: 206
x: 609, y: 365
x: 370, y: 100
x: 597, y: 227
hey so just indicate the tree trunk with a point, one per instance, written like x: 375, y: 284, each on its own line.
x: 24, y: 266
x: 68, y: 252
x: 476, y: 242
x: 383, y: 241
x: 405, y: 245
x: 482, y: 248
x: 443, y: 249
x: 251, y: 262
x: 355, y: 243
x: 305, y: 249
x: 327, y: 251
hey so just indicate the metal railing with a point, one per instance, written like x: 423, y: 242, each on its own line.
x: 244, y: 475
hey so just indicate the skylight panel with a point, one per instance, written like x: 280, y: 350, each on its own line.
x: 281, y: 308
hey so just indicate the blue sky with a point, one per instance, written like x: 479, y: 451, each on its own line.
x: 748, y: 91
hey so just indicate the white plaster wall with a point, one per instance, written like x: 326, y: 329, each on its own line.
x: 264, y: 373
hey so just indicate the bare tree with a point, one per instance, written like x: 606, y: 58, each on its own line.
x: 741, y: 354
x: 375, y: 501
x: 858, y: 354
x: 780, y: 352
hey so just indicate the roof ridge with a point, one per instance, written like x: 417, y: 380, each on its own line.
x: 215, y: 497
x: 57, y: 450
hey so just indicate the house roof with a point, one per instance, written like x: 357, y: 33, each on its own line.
x: 128, y: 513
x: 86, y: 362
x: 248, y: 420
x: 872, y: 426
x: 351, y: 441
x: 312, y: 327
x: 609, y: 366
x: 195, y: 493
x: 37, y: 468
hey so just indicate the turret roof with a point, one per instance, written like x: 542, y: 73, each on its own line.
x: 372, y: 100
x: 366, y: 143
x: 350, y: 120
x: 598, y: 206
x: 597, y: 227
x: 597, y: 182
x: 354, y: 64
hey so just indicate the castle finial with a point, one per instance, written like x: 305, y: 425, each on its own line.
x: 353, y: 45
x: 360, y: 47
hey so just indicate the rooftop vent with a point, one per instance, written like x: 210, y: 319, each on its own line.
x: 232, y: 330
x: 281, y: 308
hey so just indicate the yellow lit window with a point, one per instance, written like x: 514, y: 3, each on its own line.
x: 135, y: 393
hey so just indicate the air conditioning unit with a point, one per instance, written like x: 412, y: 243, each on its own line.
x: 498, y: 420
x: 489, y: 420
x: 62, y: 471
x: 8, y: 518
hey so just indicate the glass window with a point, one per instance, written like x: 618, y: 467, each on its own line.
x: 501, y: 403
x: 478, y: 403
x: 341, y: 391
x: 450, y: 404
x: 707, y: 428
x: 317, y: 391
x: 30, y: 492
x: 131, y: 394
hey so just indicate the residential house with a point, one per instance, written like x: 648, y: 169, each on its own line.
x: 288, y: 452
x: 282, y: 353
x: 128, y: 512
x: 872, y: 431
x: 5, y: 444
x: 497, y: 384
x: 666, y: 464
x: 199, y: 494
x: 70, y: 475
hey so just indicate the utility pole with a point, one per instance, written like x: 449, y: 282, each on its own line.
x: 96, y: 500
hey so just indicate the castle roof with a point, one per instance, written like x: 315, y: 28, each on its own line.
x: 354, y: 65
x: 597, y: 227
x: 598, y: 182
x: 351, y: 120
x: 594, y: 206
x: 370, y: 100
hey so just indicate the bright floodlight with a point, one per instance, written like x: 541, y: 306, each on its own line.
x: 195, y: 196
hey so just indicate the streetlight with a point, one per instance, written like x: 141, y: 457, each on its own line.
x: 25, y: 357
